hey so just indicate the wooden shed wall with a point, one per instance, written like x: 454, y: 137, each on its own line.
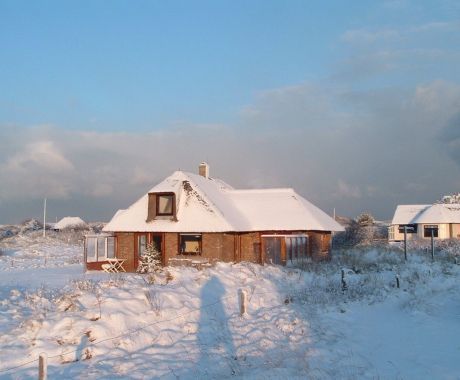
x: 319, y: 245
x: 250, y: 248
x: 455, y: 231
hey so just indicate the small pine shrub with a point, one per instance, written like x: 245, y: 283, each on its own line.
x: 150, y: 260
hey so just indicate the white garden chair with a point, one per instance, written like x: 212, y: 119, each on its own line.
x: 108, y: 268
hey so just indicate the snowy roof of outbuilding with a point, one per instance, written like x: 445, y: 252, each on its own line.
x: 211, y: 205
x: 427, y: 214
x: 69, y: 222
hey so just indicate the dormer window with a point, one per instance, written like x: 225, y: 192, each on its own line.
x: 165, y: 204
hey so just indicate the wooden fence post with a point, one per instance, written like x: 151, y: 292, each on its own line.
x: 243, y: 298
x: 344, y: 281
x: 42, y: 366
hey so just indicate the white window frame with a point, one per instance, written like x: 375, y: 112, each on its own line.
x: 96, y: 254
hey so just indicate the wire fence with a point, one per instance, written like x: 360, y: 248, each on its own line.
x: 135, y: 330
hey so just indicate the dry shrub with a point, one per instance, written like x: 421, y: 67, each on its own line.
x: 169, y: 277
x: 153, y: 299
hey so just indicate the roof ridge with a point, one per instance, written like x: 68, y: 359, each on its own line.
x: 266, y: 190
x: 202, y: 192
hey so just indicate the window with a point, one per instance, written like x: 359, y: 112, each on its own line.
x: 391, y: 233
x: 111, y: 247
x: 427, y: 229
x: 157, y: 240
x: 411, y: 228
x: 141, y: 244
x: 288, y: 249
x: 190, y: 244
x: 165, y: 204
x: 296, y: 247
x: 304, y: 246
x: 99, y: 248
x: 91, y: 249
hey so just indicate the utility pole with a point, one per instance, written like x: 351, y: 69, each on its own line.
x: 44, y: 218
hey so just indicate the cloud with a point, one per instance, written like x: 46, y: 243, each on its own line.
x: 40, y: 154
x: 101, y: 190
x: 399, y: 52
x: 371, y: 36
x: 450, y: 136
x: 363, y: 36
x: 435, y: 26
x: 345, y: 190
x: 339, y: 147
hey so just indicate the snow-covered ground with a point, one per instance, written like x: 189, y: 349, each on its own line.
x: 185, y: 323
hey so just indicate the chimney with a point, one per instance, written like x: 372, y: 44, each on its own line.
x: 203, y: 170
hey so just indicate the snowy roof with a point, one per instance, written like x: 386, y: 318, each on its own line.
x: 405, y: 214
x: 417, y: 214
x: 211, y: 205
x: 69, y: 222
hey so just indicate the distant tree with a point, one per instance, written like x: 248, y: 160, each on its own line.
x: 450, y: 199
x: 360, y: 231
x: 365, y: 219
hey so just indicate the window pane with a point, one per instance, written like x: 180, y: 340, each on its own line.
x: 427, y: 230
x: 165, y: 204
x: 272, y: 249
x: 190, y: 244
x: 294, y: 248
x: 303, y: 246
x: 101, y: 249
x: 91, y: 250
x: 289, y: 248
x: 156, y: 240
x: 141, y: 244
x: 111, y: 247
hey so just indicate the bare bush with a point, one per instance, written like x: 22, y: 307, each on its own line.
x: 153, y: 299
x: 84, y: 285
x: 72, y: 236
x: 363, y: 231
x: 42, y: 301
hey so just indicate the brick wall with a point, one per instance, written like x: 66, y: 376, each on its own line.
x: 125, y: 249
x: 218, y: 246
x: 171, y: 246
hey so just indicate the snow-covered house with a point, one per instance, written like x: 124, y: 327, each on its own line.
x: 70, y: 222
x: 196, y: 217
x: 441, y: 218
